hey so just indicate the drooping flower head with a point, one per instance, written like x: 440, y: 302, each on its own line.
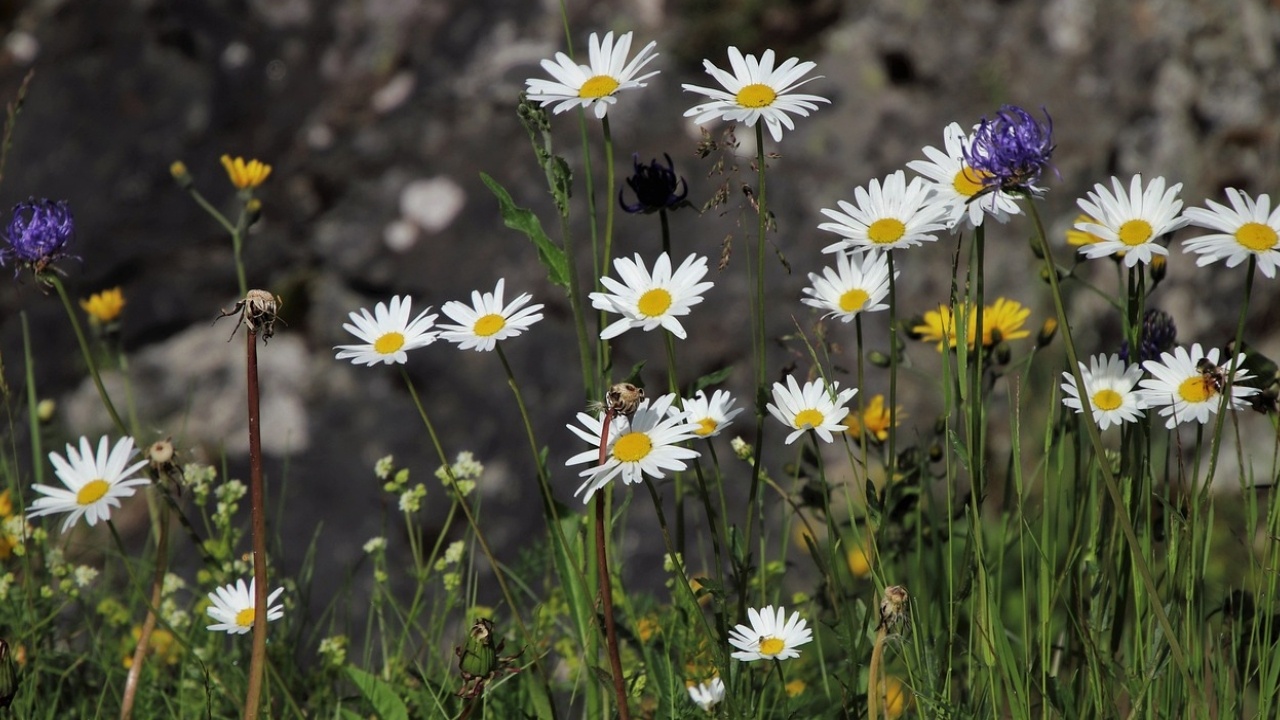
x: 771, y: 635
x: 1187, y: 386
x: 1159, y: 334
x: 1110, y: 387
x: 233, y: 607
x: 1010, y: 150
x: 756, y: 91
x: 597, y: 83
x: 93, y: 483
x: 644, y: 444
x: 656, y: 186
x: 888, y: 215
x: 1248, y: 228
x: 957, y: 186
x: 816, y: 406
x: 649, y: 301
x: 851, y: 287
x: 1133, y: 222
x: 486, y: 321
x: 388, y: 333
x: 38, y: 234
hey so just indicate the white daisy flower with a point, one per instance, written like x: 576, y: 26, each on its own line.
x: 955, y: 184
x: 486, y: 320
x: 892, y: 215
x: 1109, y: 383
x: 850, y: 288
x: 582, y: 85
x: 649, y: 301
x: 233, y: 607
x: 1130, y: 223
x: 756, y: 90
x: 709, y: 415
x: 94, y: 482
x: 708, y: 694
x: 643, y: 445
x: 1188, y: 386
x: 817, y: 406
x: 1251, y: 228
x: 388, y: 333
x: 770, y: 636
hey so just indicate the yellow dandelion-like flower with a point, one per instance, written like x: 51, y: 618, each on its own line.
x: 6, y: 504
x: 104, y: 307
x: 874, y: 421
x: 896, y: 698
x: 1002, y: 321
x: 859, y: 559
x: 245, y: 175
x: 795, y: 687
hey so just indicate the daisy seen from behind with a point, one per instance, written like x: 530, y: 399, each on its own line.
x: 596, y: 83
x: 957, y: 187
x: 817, y: 406
x: 1132, y: 222
x: 851, y: 287
x: 707, y: 694
x: 709, y: 415
x: 1187, y: 385
x: 650, y: 300
x: 94, y: 482
x: 771, y: 635
x: 388, y: 333
x: 486, y: 321
x: 1248, y: 228
x: 644, y: 444
x: 756, y: 91
x: 888, y: 215
x: 1110, y: 385
x: 232, y: 607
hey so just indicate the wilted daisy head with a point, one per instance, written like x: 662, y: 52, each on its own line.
x: 894, y: 214
x: 817, y: 406
x: 39, y: 232
x: 851, y: 287
x: 649, y: 301
x: 388, y: 333
x: 756, y: 91
x: 644, y: 444
x: 770, y: 636
x: 1249, y: 228
x: 957, y: 187
x: 1010, y: 150
x: 233, y: 607
x: 486, y: 321
x: 596, y: 83
x: 1110, y: 386
x: 1187, y: 385
x: 1131, y: 222
x: 94, y: 482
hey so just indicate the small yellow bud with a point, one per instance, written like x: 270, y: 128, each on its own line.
x: 1047, y: 332
x: 45, y: 410
x: 181, y: 175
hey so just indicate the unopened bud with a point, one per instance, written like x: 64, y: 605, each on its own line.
x: 252, y: 212
x: 1047, y: 332
x: 1003, y: 353
x: 1036, y: 249
x: 877, y: 358
x: 1159, y: 268
x: 45, y: 410
x: 181, y: 175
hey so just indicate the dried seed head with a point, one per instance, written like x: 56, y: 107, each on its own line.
x: 893, y: 605
x: 161, y: 452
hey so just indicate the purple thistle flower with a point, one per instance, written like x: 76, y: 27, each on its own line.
x: 1010, y: 151
x: 1159, y: 335
x: 38, y: 234
x: 657, y: 187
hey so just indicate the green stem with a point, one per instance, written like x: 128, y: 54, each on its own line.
x: 92, y: 364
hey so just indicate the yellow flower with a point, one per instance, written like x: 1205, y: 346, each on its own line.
x: 162, y: 644
x: 243, y: 174
x: 795, y: 687
x: 896, y: 698
x: 6, y: 504
x: 647, y: 627
x: 1006, y: 317
x: 875, y: 420
x: 1077, y: 238
x: 104, y: 307
x: 859, y: 559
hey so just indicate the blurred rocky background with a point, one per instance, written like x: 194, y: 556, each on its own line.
x: 379, y: 115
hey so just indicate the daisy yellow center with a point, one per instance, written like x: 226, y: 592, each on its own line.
x: 1135, y: 232
x: 771, y: 646
x: 853, y: 300
x: 809, y: 418
x: 388, y: 343
x: 1196, y: 389
x: 1107, y: 399
x: 968, y: 182
x: 756, y: 95
x: 92, y: 491
x: 244, y: 618
x: 706, y: 426
x: 886, y: 230
x: 1256, y: 236
x: 632, y: 447
x: 489, y: 325
x: 598, y: 87
x: 654, y: 302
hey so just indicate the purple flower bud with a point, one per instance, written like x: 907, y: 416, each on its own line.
x: 657, y: 187
x: 38, y: 234
x: 1011, y: 150
x: 1159, y: 334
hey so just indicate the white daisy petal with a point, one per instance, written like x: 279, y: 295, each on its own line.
x: 649, y: 301
x: 1249, y: 228
x: 645, y: 444
x: 770, y: 635
x: 388, y: 333
x: 1110, y: 386
x: 1131, y: 223
x: 597, y: 83
x: 708, y: 694
x: 94, y: 483
x: 817, y: 406
x: 1187, y: 386
x: 232, y: 606
x: 486, y: 321
x: 756, y: 91
x: 888, y: 215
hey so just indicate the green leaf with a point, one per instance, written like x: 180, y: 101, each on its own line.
x: 523, y: 219
x: 710, y: 379
x: 380, y: 695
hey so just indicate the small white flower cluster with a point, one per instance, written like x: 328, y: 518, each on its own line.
x: 453, y: 554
